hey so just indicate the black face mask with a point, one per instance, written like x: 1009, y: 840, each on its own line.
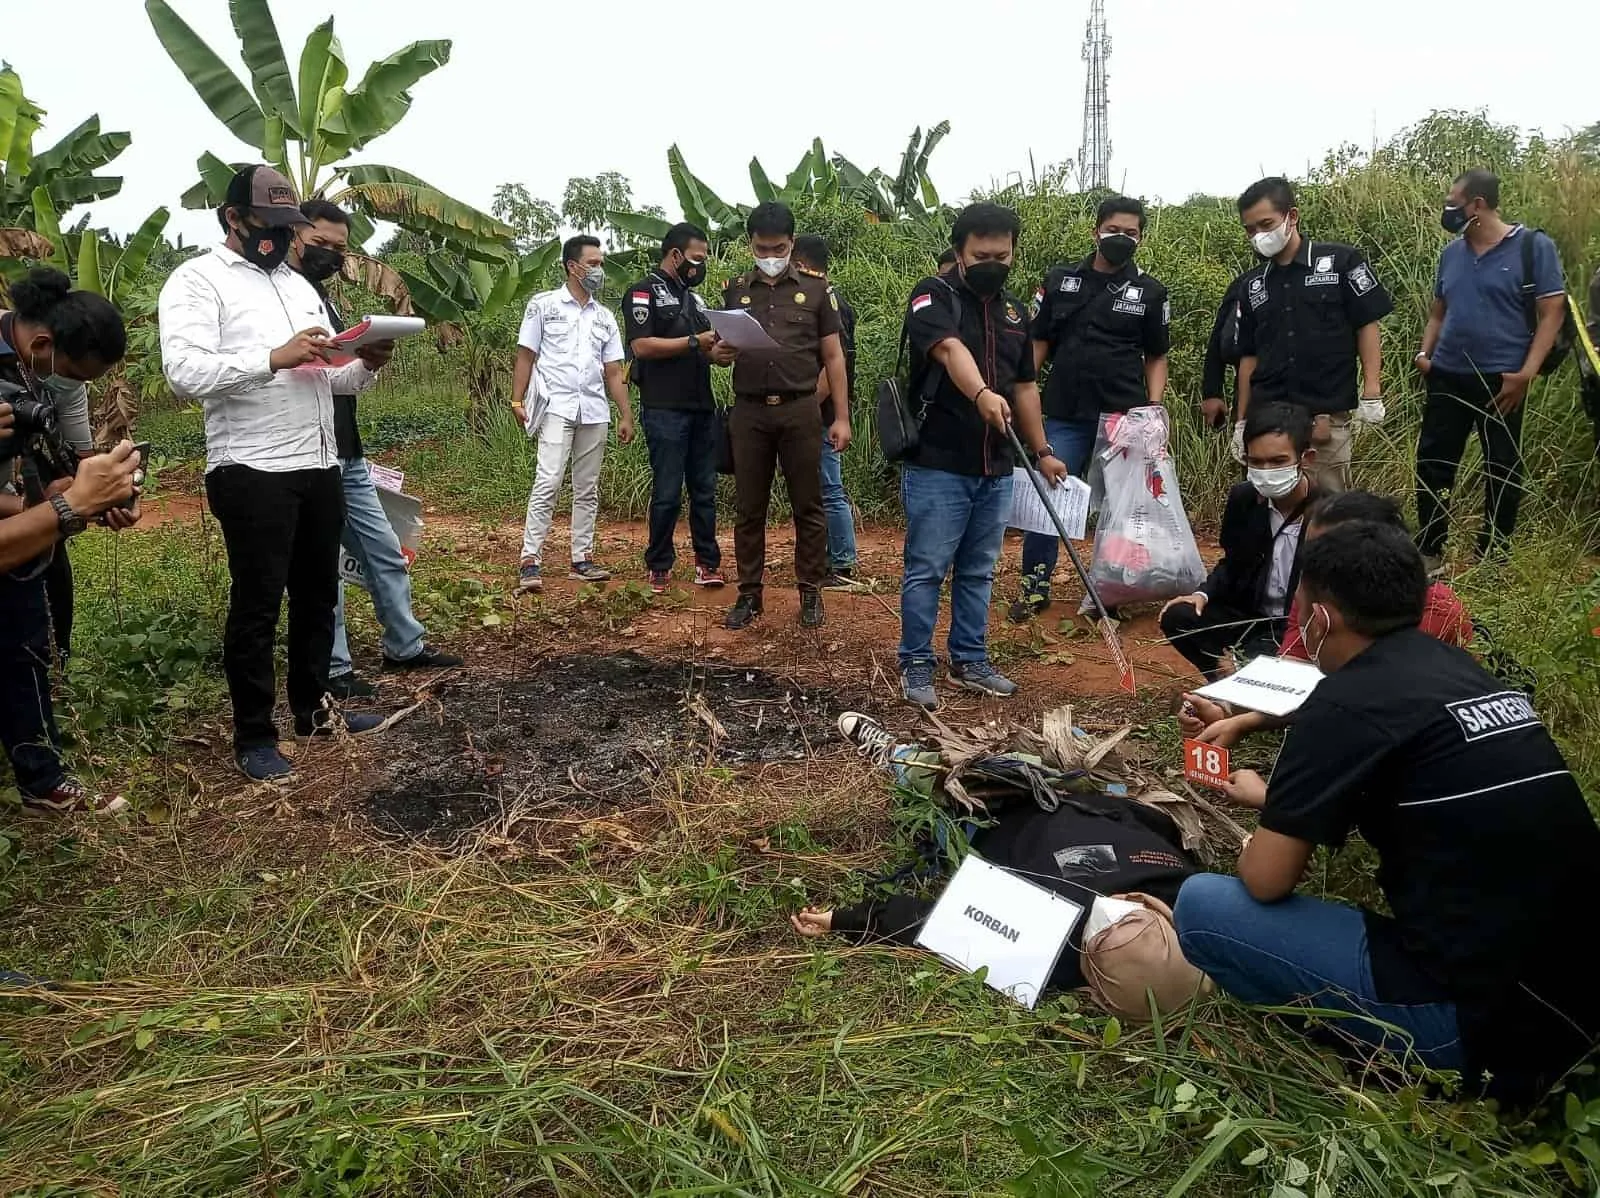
x: 986, y: 279
x: 1118, y: 248
x: 319, y: 263
x: 266, y: 248
x: 1454, y: 218
x: 690, y: 274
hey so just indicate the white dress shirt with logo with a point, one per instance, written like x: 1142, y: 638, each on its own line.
x: 574, y: 342
x: 221, y: 318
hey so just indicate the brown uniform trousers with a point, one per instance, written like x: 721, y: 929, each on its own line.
x: 766, y: 438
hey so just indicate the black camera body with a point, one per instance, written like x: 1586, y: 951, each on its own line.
x: 36, y: 438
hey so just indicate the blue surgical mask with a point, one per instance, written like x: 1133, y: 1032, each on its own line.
x: 58, y: 386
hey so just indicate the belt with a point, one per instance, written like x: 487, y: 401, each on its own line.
x: 773, y: 398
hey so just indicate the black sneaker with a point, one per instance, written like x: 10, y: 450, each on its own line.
x: 811, y: 614
x: 427, y: 658
x: 743, y: 613
x: 263, y: 764
x: 840, y: 580
x: 329, y: 723
x: 351, y: 686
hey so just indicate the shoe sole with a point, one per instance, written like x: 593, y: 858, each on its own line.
x: 711, y: 584
x: 919, y: 704
x: 110, y: 808
x: 529, y: 588
x: 732, y: 627
x: 273, y: 778
x: 979, y: 689
x: 576, y: 577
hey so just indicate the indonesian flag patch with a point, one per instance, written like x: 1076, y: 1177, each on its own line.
x: 921, y: 302
x: 641, y: 297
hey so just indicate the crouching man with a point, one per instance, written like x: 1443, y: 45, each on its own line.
x: 1484, y: 841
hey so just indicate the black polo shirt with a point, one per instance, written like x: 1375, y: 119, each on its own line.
x: 995, y: 331
x: 346, y: 431
x: 1100, y: 329
x: 847, y: 342
x: 1299, y: 322
x: 1486, y: 848
x: 659, y: 305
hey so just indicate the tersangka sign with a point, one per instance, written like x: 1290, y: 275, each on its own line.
x: 989, y: 918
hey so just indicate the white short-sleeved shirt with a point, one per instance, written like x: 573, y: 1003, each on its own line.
x: 573, y: 342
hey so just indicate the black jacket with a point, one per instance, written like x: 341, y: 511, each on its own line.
x: 1239, y: 579
x: 1222, y: 351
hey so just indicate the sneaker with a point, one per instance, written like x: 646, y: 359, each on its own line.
x: 660, y: 580
x: 811, y: 614
x: 841, y: 580
x: 327, y: 723
x: 982, y: 677
x: 528, y: 580
x: 426, y: 658
x: 916, y: 686
x: 71, y: 797
x: 263, y: 764
x: 587, y: 571
x: 872, y: 739
x: 351, y: 686
x: 743, y: 613
x: 709, y: 576
x: 1025, y: 608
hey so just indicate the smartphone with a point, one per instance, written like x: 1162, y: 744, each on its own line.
x: 142, y: 448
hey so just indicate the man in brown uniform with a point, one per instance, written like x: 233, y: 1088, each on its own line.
x: 776, y: 419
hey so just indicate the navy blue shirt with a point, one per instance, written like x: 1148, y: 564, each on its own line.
x: 1485, y: 327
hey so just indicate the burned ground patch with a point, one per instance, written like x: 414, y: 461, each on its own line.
x: 585, y: 729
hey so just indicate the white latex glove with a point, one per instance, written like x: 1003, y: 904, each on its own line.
x: 1371, y: 411
x: 1238, y: 442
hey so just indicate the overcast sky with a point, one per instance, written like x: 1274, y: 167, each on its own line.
x: 1205, y: 95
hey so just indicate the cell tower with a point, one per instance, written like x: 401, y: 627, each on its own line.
x: 1094, y: 156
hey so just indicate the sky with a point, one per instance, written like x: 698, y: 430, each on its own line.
x: 1206, y: 96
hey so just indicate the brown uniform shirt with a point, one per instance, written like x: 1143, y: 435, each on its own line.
x: 797, y: 311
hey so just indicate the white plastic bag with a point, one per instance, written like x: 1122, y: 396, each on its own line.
x: 1144, y: 549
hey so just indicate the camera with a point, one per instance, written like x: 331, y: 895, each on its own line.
x: 36, y: 437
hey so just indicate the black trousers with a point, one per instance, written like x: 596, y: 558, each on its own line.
x: 27, y: 721
x: 282, y: 533
x: 1204, y: 637
x: 58, y: 586
x: 1457, y: 404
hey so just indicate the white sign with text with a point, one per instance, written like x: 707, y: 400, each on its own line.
x: 989, y: 918
x: 1272, y: 685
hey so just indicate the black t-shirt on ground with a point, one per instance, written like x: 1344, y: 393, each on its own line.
x: 1486, y: 848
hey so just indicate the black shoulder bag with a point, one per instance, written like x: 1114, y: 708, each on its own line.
x: 902, y: 409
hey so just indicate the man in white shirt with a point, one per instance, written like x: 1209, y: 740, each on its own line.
x: 570, y: 350
x: 246, y: 336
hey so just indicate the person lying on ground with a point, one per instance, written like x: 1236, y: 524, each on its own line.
x: 1242, y: 605
x: 1484, y: 842
x: 1090, y: 846
x: 1444, y: 618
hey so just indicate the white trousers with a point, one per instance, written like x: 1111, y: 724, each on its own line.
x: 561, y: 441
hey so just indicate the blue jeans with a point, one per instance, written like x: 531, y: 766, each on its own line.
x: 955, y: 524
x: 1306, y: 952
x: 372, y: 542
x: 836, y: 506
x: 1073, y: 441
x: 683, y: 449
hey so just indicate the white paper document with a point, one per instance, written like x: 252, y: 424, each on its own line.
x: 375, y: 329
x: 989, y: 918
x: 1273, y: 685
x: 405, y: 517
x: 1070, y: 500
x: 741, y: 330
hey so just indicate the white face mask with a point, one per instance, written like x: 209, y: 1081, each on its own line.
x: 594, y: 279
x: 53, y: 383
x: 772, y: 267
x: 1274, y: 483
x: 1270, y: 243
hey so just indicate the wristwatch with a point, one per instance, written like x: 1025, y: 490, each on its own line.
x: 1046, y: 450
x: 69, y: 522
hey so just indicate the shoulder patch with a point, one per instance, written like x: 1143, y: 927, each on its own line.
x: 919, y: 302
x: 1072, y: 283
x: 1490, y: 715
x: 1362, y: 279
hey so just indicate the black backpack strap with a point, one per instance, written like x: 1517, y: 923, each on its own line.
x: 1530, y: 300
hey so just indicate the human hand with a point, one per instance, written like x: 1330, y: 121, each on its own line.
x: 1513, y: 390
x: 839, y: 435
x: 377, y: 355
x: 119, y: 518
x: 1371, y: 411
x: 6, y: 421
x: 996, y: 412
x: 308, y: 345
x: 1226, y: 733
x: 1247, y: 788
x: 723, y: 354
x: 812, y: 922
x: 706, y: 340
x: 103, y: 481
x: 1423, y: 363
x: 625, y: 428
x: 520, y: 412
x: 1053, y: 469
x: 1198, y: 714
x: 1198, y: 600
x: 1215, y: 412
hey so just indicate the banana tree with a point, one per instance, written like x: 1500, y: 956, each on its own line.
x: 308, y: 124
x: 65, y: 171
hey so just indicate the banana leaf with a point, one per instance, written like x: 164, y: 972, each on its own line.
x: 215, y: 175
x: 380, y: 279
x: 322, y: 70
x: 377, y: 104
x: 228, y: 99
x: 263, y: 54
x: 26, y: 244
x: 428, y: 298
x: 89, y: 263
x: 700, y: 203
x: 385, y: 193
x: 638, y: 224
x: 19, y: 121
x: 763, y: 185
x: 136, y: 254
x: 83, y: 150
x: 71, y: 190
x: 47, y: 223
